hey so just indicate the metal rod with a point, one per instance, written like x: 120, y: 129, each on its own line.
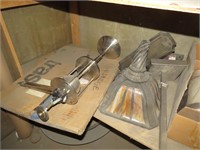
x: 86, y: 68
x: 98, y: 58
x: 74, y: 70
x: 163, y: 116
x: 39, y: 87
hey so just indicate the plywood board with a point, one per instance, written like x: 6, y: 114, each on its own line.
x: 9, y: 3
x: 149, y: 138
x: 174, y: 5
x: 197, y: 65
x: 74, y: 18
x: 72, y: 118
x: 38, y: 29
x: 198, y: 51
x: 11, y: 52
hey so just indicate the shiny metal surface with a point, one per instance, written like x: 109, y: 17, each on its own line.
x: 57, y: 83
x: 36, y: 86
x: 163, y: 114
x: 68, y: 89
x: 109, y: 46
x: 87, y: 68
x: 42, y: 113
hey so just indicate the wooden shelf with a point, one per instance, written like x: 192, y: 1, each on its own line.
x: 10, y: 51
x: 172, y: 5
x: 75, y: 118
x: 71, y: 118
x: 16, y: 3
x: 149, y: 138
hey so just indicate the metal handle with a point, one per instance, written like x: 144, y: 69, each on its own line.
x: 39, y: 87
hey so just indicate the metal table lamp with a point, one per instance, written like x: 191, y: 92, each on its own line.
x: 134, y: 94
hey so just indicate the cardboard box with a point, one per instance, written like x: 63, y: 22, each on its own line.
x: 185, y: 127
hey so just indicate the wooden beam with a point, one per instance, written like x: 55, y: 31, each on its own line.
x: 189, y: 6
x: 12, y: 51
x: 74, y: 17
x: 198, y: 51
x: 197, y: 63
x: 10, y: 4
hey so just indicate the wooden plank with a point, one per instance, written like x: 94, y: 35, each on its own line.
x: 9, y: 3
x: 74, y: 18
x: 149, y: 138
x: 198, y: 51
x: 197, y: 65
x: 6, y: 78
x: 174, y: 5
x: 12, y: 51
x: 71, y: 118
x: 33, y: 40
